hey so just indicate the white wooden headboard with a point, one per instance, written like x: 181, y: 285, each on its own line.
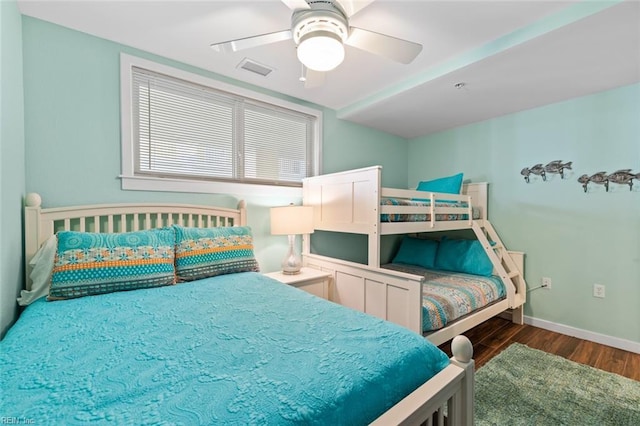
x: 40, y: 223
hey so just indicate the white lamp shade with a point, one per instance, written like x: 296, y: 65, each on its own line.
x: 291, y: 220
x: 321, y: 51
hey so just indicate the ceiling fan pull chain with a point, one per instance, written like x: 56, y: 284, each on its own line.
x: 303, y: 73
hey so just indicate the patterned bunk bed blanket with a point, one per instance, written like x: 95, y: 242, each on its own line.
x: 232, y: 349
x: 448, y: 296
x: 393, y: 217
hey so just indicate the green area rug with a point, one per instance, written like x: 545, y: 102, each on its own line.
x: 524, y: 386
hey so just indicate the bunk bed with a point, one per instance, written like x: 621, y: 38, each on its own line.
x: 213, y: 346
x: 355, y: 202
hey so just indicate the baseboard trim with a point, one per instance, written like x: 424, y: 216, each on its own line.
x: 603, y: 339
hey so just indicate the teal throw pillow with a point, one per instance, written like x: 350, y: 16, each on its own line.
x: 466, y: 256
x: 417, y: 251
x: 447, y: 185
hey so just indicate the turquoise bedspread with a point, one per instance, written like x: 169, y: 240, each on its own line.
x: 235, y: 349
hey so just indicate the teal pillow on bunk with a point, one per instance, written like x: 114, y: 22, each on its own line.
x: 417, y: 251
x: 466, y: 256
x: 447, y: 185
x: 89, y: 263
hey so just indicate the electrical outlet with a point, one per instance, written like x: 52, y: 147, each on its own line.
x: 546, y: 282
x: 598, y: 291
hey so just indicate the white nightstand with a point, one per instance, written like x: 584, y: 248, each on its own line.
x: 310, y: 280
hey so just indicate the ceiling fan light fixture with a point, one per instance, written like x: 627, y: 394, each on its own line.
x: 321, y: 50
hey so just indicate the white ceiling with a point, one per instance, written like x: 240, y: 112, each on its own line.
x: 511, y: 55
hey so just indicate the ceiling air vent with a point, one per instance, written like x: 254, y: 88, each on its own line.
x: 255, y: 67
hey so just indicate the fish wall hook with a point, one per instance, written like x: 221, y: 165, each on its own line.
x: 535, y: 170
x: 558, y: 167
x: 554, y: 167
x: 623, y: 177
x: 599, y: 178
x: 619, y: 177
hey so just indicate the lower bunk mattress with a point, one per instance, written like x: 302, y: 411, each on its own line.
x: 448, y: 296
x: 235, y: 349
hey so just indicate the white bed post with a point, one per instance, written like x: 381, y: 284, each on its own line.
x: 462, y: 407
x: 374, y: 234
x: 242, y: 207
x: 33, y: 204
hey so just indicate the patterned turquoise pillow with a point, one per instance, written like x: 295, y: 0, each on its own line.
x: 93, y: 263
x: 206, y: 252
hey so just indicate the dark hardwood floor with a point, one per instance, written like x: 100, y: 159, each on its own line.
x: 494, y: 335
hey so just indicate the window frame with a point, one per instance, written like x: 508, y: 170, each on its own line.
x: 131, y: 181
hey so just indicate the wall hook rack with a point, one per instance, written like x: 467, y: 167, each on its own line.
x: 554, y: 167
x: 619, y: 177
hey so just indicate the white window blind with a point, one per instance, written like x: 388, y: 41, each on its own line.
x: 187, y: 130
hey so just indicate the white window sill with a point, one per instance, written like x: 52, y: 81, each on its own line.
x: 140, y: 183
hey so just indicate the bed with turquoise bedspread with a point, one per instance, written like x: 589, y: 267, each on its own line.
x: 232, y: 349
x: 448, y: 296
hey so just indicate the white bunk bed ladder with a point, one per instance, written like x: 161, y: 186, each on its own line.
x: 504, y: 266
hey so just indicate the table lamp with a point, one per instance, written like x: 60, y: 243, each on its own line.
x: 291, y: 220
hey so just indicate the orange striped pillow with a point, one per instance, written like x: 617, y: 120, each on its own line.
x: 94, y: 263
x: 206, y: 252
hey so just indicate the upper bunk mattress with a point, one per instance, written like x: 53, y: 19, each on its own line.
x: 447, y: 296
x: 424, y: 217
x: 233, y: 349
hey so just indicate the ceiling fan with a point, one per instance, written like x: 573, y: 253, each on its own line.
x: 320, y: 29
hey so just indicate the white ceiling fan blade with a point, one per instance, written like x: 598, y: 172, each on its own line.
x: 393, y: 48
x: 296, y: 4
x: 249, y: 42
x: 351, y: 7
x: 313, y: 78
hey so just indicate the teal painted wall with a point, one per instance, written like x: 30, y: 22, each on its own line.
x: 12, y: 163
x: 72, y: 128
x: 574, y: 238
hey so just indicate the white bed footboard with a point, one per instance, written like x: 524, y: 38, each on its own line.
x: 397, y: 296
x: 390, y: 295
x: 452, y: 388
